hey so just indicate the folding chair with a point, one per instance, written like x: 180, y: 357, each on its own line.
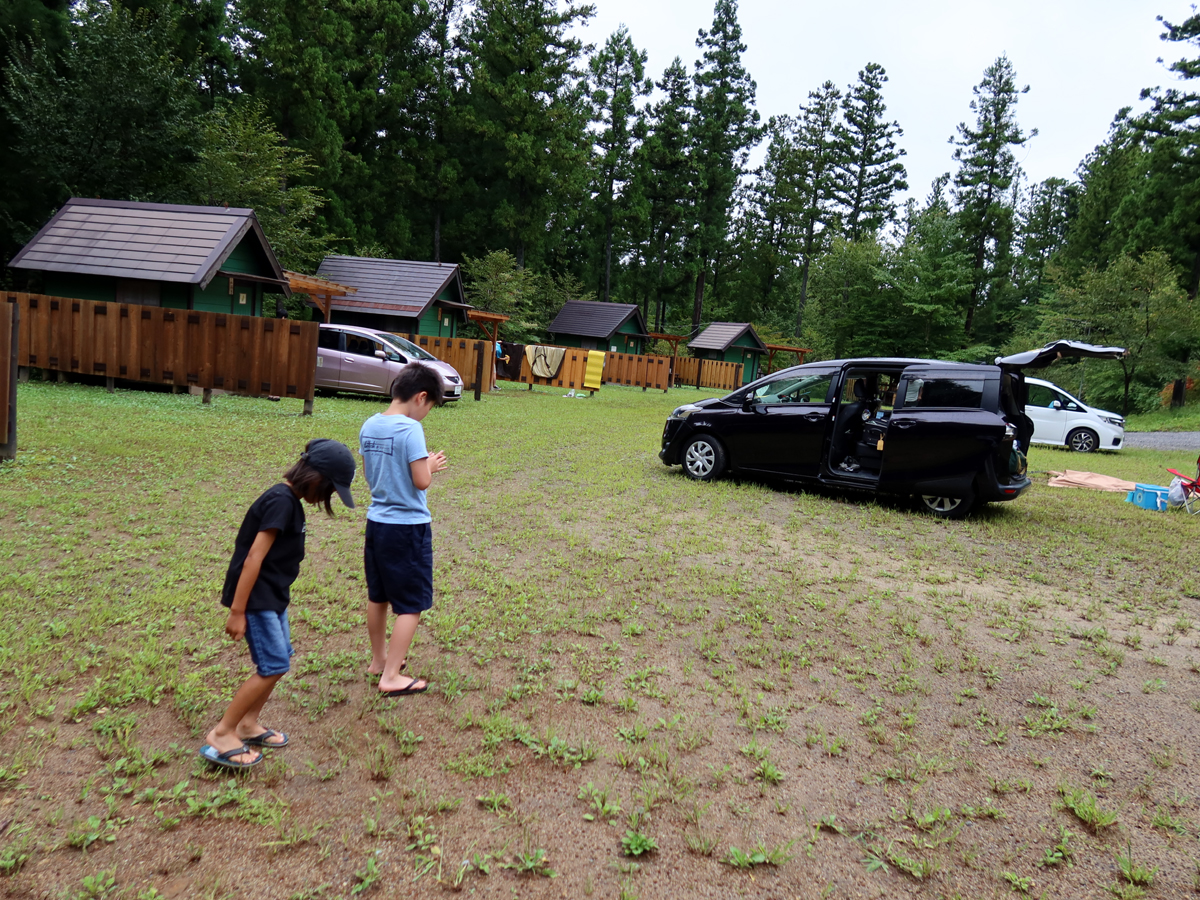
x: 1191, y: 489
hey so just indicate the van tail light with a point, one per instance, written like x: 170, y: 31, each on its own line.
x: 1010, y: 431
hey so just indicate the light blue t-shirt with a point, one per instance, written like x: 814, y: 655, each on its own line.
x: 389, y: 444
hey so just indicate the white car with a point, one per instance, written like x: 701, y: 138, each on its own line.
x: 1064, y: 421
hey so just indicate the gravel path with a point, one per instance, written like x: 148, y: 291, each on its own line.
x: 1163, y: 440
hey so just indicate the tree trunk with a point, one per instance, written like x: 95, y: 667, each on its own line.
x: 970, y: 322
x: 660, y: 314
x: 608, y: 260
x: 698, y: 304
x: 803, y: 296
x: 1178, y: 393
x: 437, y: 235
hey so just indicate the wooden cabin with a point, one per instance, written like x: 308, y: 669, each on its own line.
x: 398, y: 295
x: 735, y: 342
x: 207, y: 258
x: 595, y: 325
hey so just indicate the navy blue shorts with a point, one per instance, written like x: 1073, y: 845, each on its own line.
x: 270, y: 641
x: 399, y: 564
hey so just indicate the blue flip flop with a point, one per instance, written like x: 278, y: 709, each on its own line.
x: 260, y: 740
x: 212, y: 755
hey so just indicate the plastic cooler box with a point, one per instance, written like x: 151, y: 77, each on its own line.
x: 1148, y: 496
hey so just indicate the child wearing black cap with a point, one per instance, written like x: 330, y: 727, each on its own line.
x: 266, y: 560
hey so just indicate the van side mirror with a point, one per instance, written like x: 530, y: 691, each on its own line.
x: 1057, y: 404
x: 748, y: 401
x: 381, y: 354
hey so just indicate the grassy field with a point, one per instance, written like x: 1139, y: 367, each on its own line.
x: 641, y: 686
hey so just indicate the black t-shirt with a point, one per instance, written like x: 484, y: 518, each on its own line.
x: 276, y: 508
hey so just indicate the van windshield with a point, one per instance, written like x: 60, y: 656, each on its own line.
x: 405, y: 346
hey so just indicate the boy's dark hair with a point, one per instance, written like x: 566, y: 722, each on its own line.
x: 415, y: 378
x: 303, y: 477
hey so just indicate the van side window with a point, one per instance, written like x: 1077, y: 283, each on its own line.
x: 328, y: 339
x: 1040, y: 395
x: 802, y: 388
x: 955, y: 393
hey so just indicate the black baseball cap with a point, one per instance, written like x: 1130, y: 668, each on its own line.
x: 334, y: 460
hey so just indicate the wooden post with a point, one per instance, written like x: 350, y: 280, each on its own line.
x: 207, y: 397
x: 8, y: 450
x: 110, y: 384
x: 308, y: 400
x: 478, y: 368
x: 23, y: 374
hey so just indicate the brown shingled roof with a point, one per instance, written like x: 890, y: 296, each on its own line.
x: 151, y: 241
x: 400, y: 286
x: 719, y: 335
x: 595, y: 318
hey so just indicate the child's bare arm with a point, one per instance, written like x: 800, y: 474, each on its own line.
x: 423, y: 469
x: 235, y: 625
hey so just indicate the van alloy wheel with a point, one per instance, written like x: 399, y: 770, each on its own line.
x: 947, y: 507
x: 1083, y: 440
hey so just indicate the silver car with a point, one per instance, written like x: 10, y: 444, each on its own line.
x: 350, y: 358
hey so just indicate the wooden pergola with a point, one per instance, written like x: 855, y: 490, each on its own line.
x: 772, y: 349
x: 484, y: 319
x: 321, y: 290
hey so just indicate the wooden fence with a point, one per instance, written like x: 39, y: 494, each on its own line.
x: 638, y: 371
x: 708, y: 373
x: 239, y: 354
x: 10, y: 319
x: 644, y: 371
x: 471, y: 359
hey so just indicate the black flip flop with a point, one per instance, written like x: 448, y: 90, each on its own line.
x: 210, y: 754
x: 260, y: 740
x: 406, y: 691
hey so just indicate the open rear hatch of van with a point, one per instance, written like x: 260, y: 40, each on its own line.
x: 1056, y: 350
x: 1013, y: 394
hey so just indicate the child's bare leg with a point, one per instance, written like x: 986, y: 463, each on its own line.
x: 251, y: 695
x: 377, y: 616
x: 249, y: 725
x: 402, y: 635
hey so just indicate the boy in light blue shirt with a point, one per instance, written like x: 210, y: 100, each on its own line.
x: 398, y: 553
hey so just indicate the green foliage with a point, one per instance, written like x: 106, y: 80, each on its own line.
x: 243, y: 161
x: 108, y: 116
x: 987, y: 170
x: 1134, y: 303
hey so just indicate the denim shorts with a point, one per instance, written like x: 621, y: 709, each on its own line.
x: 399, y: 566
x: 270, y: 641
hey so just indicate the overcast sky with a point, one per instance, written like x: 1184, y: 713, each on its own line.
x: 1083, y: 61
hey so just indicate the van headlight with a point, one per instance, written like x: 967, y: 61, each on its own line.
x: 682, y: 412
x: 1114, y: 421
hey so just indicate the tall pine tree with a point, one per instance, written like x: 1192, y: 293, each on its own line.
x: 814, y: 173
x: 870, y: 172
x: 983, y: 184
x: 724, y: 128
x: 618, y: 80
x: 664, y: 180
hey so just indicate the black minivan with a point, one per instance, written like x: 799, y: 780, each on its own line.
x: 950, y: 433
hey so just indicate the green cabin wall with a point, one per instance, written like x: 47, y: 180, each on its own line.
x: 80, y: 287
x: 432, y: 320
x: 744, y: 350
